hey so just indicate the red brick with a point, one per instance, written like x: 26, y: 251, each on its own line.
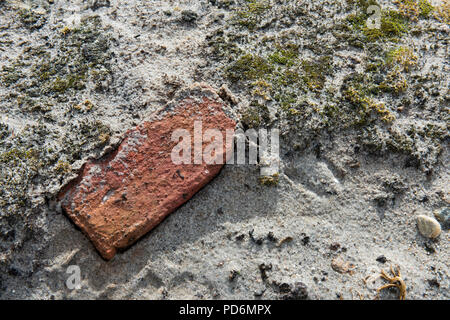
x: 117, y: 199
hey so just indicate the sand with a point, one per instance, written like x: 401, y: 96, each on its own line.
x: 348, y: 194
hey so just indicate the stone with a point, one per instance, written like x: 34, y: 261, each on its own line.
x: 118, y: 198
x: 341, y: 266
x: 428, y: 226
x: 381, y: 259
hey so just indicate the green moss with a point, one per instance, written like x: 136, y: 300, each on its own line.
x: 288, y: 77
x: 251, y: 14
x: 269, y: 180
x: 14, y: 155
x: 315, y: 72
x: 255, y: 115
x: 395, y: 82
x: 21, y: 161
x: 71, y: 81
x: 222, y: 47
x: 363, y: 5
x: 393, y: 23
x: 63, y: 167
x: 397, y: 63
x: 249, y: 67
x: 359, y: 106
x: 285, y: 55
x: 82, y: 55
x: 402, y: 57
x: 4, y: 131
x: 279, y: 76
x: 442, y: 12
x: 393, y: 26
x: 412, y: 9
x: 330, y: 113
x: 31, y: 19
x: 357, y: 21
x: 366, y: 105
x: 286, y: 99
x: 426, y: 8
x: 12, y: 73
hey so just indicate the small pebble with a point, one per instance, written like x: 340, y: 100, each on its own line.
x: 428, y: 227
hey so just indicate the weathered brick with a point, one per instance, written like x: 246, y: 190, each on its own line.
x: 120, y: 197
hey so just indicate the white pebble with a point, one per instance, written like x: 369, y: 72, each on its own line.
x: 428, y: 227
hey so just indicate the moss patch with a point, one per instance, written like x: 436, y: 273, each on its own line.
x: 442, y: 12
x: 269, y: 180
x: 249, y: 67
x: 413, y: 9
x: 251, y: 13
x: 315, y: 72
x: 31, y: 19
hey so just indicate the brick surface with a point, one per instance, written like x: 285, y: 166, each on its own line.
x: 117, y: 199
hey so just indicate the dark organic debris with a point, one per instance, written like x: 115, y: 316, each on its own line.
x: 298, y: 292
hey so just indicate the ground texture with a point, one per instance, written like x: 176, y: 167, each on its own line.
x: 363, y: 116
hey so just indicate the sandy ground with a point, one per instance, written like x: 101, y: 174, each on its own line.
x: 347, y: 197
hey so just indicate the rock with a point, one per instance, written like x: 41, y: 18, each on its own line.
x: 341, y: 266
x: 381, y: 259
x: 443, y: 216
x: 259, y: 292
x: 120, y: 197
x: 428, y: 227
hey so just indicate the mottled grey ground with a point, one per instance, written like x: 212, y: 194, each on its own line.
x: 364, y: 145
